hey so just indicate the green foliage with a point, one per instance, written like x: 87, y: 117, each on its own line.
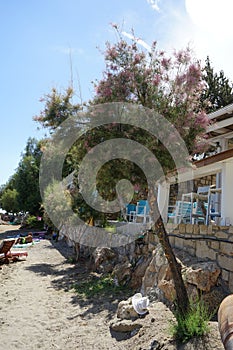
x: 170, y: 86
x: 25, y: 182
x: 27, y: 178
x: 47, y: 220
x: 9, y: 200
x: 85, y: 211
x: 58, y: 107
x: 58, y: 207
x: 193, y: 324
x: 218, y: 91
x: 32, y: 222
x: 103, y: 285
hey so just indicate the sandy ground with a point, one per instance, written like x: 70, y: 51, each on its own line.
x: 39, y: 310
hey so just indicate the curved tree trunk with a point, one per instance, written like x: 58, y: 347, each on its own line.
x: 159, y: 229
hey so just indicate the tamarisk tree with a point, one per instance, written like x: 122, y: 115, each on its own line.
x: 171, y: 86
x: 168, y: 85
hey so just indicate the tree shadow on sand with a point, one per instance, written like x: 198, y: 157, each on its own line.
x: 86, y: 287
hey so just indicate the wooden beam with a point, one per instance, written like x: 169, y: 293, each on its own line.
x: 215, y: 158
x: 221, y: 124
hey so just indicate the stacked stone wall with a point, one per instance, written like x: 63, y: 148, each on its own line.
x: 213, y: 243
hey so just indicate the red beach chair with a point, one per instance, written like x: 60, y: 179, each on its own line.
x: 6, y: 253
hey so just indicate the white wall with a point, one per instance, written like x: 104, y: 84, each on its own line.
x: 227, y: 192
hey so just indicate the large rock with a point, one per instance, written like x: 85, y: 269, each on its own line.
x: 126, y: 319
x: 104, y: 259
x: 165, y: 282
x: 200, y: 276
x: 122, y: 273
x: 126, y: 252
x: 203, y: 275
x: 123, y: 326
x: 139, y: 272
x: 156, y: 267
x: 125, y: 310
x: 149, y: 279
x: 168, y: 289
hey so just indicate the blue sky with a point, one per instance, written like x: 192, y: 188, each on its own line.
x: 38, y: 38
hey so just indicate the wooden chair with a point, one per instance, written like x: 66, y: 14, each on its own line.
x: 181, y: 213
x: 142, y: 211
x: 6, y: 253
x: 130, y: 211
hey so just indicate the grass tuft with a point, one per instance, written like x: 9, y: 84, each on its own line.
x: 193, y: 324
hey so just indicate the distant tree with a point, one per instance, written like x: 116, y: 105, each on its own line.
x: 24, y: 184
x: 8, y: 191
x: 26, y: 180
x: 9, y: 201
x: 219, y: 89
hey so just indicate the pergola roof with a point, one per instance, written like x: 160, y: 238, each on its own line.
x: 218, y: 157
x: 222, y: 125
x: 222, y: 122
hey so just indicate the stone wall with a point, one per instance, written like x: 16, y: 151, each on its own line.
x: 213, y: 243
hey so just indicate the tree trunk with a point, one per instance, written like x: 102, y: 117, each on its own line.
x: 159, y: 229
x: 76, y: 251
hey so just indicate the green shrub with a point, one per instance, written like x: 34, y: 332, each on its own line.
x: 193, y: 324
x: 32, y: 222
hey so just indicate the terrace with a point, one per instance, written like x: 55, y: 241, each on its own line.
x: 212, y: 172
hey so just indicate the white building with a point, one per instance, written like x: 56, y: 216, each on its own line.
x: 218, y: 166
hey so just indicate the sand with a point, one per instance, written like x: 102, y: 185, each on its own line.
x: 40, y: 310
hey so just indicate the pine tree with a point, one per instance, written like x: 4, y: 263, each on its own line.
x: 219, y: 89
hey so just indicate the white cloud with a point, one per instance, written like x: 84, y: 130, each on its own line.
x: 154, y: 4
x: 138, y: 40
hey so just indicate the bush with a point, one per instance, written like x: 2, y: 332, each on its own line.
x: 32, y: 222
x: 193, y: 324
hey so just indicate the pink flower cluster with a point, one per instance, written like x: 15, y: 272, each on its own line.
x: 170, y: 85
x: 202, y: 120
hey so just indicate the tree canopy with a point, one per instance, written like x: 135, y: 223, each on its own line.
x: 23, y: 186
x: 9, y: 200
x: 171, y: 85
